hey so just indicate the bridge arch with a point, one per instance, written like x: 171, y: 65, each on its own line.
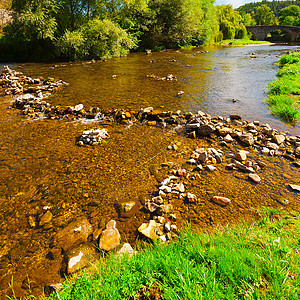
x: 260, y: 32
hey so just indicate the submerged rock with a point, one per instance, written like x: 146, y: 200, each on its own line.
x: 110, y: 237
x: 81, y: 257
x: 221, y: 200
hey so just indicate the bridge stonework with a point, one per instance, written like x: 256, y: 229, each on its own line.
x: 260, y: 32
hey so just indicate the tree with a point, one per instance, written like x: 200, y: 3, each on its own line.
x: 264, y: 16
x: 290, y: 16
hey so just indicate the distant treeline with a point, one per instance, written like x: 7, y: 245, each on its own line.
x: 100, y: 29
x: 275, y: 6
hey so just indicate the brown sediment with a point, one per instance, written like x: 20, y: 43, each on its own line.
x: 43, y: 169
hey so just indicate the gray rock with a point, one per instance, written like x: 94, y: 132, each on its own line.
x: 241, y: 155
x: 243, y: 167
x: 205, y: 130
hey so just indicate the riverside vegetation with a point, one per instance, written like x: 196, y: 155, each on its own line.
x: 284, y: 93
x: 246, y: 261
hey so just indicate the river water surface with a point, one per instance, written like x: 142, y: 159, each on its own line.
x: 41, y: 166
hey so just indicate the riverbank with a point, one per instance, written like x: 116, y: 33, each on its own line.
x: 284, y: 92
x: 242, y: 42
x: 258, y: 260
x: 209, y: 170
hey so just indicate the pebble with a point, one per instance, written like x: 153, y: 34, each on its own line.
x: 254, y: 177
x: 221, y: 200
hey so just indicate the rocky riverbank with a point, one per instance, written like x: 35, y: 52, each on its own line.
x: 78, y: 239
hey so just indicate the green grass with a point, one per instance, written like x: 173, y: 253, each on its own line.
x: 257, y: 261
x: 284, y: 92
x: 240, y: 42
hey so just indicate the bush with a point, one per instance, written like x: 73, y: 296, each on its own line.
x: 106, y: 39
x: 72, y: 45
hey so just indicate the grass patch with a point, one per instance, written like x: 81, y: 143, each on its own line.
x: 258, y: 261
x: 284, y: 92
x: 240, y: 42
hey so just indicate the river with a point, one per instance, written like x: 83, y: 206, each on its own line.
x: 41, y: 166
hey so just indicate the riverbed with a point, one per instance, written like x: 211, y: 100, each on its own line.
x: 42, y: 166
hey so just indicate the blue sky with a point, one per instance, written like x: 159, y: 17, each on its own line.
x: 234, y: 3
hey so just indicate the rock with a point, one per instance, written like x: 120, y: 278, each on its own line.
x: 225, y: 131
x: 210, y: 168
x: 158, y: 200
x: 221, y: 200
x: 126, y: 250
x: 111, y: 224
x: 279, y: 138
x: 78, y: 107
x: 202, y: 154
x: 247, y: 139
x: 148, y: 110
x: 241, y: 155
x: 243, y: 167
x: 167, y: 208
x: 46, y: 217
x: 109, y: 239
x: 265, y: 151
x: 151, y: 206
x: 254, y: 177
x: 127, y: 206
x: 81, y: 257
x: 75, y: 233
x: 228, y: 138
x: 297, y: 152
x: 179, y: 187
x: 205, y: 130
x: 191, y: 161
x: 295, y: 187
x: 165, y: 189
x: 198, y: 168
x: 272, y: 146
x: 149, y: 229
x: 235, y: 117
x: 191, y: 197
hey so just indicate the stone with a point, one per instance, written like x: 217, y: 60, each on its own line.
x: 76, y: 232
x: 78, y: 107
x: 272, y: 146
x: 210, y: 168
x: 198, y: 168
x: 236, y: 117
x: 167, y: 208
x: 81, y: 257
x: 165, y: 189
x: 228, y: 138
x: 265, y: 150
x: 243, y: 167
x: 247, y: 139
x: 279, y: 138
x: 127, y: 206
x: 297, y: 151
x: 181, y: 172
x: 179, y: 187
x: 241, y: 156
x: 148, y: 110
x: 126, y: 250
x: 221, y: 200
x: 191, y: 197
x: 295, y: 187
x: 254, y: 177
x: 205, y: 130
x: 149, y: 229
x: 109, y: 239
x: 151, y: 206
x: 111, y: 224
x: 202, y: 154
x: 191, y: 161
x: 158, y: 200
x: 46, y: 218
x: 225, y: 131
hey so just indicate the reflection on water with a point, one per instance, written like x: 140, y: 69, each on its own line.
x: 41, y: 166
x: 209, y: 81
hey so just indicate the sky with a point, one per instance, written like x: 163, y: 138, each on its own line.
x: 234, y: 3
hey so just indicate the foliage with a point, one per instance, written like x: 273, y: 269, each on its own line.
x: 290, y: 16
x: 257, y: 261
x: 264, y: 16
x: 275, y: 6
x: 231, y: 23
x: 284, y: 93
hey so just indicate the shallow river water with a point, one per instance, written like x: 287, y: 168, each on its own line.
x: 41, y: 165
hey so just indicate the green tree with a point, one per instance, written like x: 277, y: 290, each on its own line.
x: 264, y: 16
x: 290, y: 16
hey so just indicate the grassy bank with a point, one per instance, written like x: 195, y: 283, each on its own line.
x: 284, y: 93
x: 237, y: 42
x: 258, y: 261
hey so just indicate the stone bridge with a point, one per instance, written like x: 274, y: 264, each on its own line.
x: 260, y: 32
